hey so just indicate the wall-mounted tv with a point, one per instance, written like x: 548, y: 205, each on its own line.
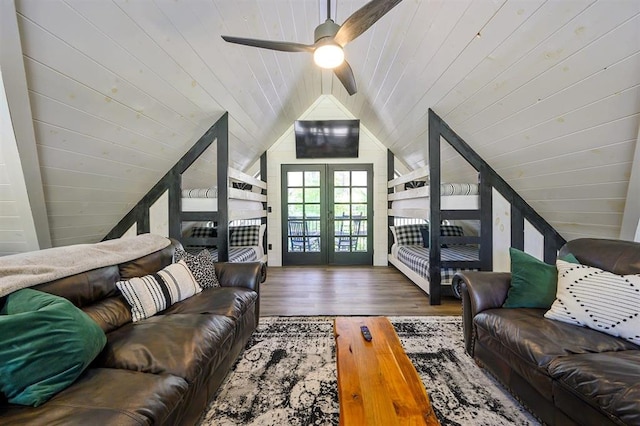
x: 327, y: 138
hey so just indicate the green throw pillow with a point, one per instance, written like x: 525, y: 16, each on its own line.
x: 533, y: 282
x: 46, y: 342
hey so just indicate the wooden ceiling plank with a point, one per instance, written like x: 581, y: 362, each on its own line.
x: 586, y: 27
x: 595, y: 72
x: 59, y: 177
x: 541, y: 25
x: 43, y: 49
x: 64, y: 22
x: 54, y: 85
x: 612, y: 132
x: 65, y: 139
x: 57, y: 114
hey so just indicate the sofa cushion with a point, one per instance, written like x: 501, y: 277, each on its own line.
x: 177, y: 344
x: 46, y: 344
x: 104, y: 396
x: 538, y: 340
x: 588, y: 296
x: 153, y: 293
x: 228, y: 301
x: 110, y: 313
x: 147, y: 264
x: 85, y: 288
x: 528, y: 342
x: 617, y: 256
x: 609, y: 381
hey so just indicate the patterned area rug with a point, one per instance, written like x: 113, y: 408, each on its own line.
x: 287, y: 376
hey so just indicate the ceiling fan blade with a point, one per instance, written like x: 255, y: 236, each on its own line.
x: 283, y: 46
x: 362, y: 19
x: 345, y: 75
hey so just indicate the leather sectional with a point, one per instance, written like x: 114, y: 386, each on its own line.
x: 162, y: 370
x: 565, y: 374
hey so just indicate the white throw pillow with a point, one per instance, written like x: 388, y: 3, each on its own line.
x: 598, y: 299
x: 154, y: 293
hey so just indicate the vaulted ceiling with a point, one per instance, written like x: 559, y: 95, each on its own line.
x: 548, y: 92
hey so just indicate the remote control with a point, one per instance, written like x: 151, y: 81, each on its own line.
x: 365, y: 333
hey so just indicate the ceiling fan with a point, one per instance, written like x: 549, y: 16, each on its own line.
x: 330, y: 38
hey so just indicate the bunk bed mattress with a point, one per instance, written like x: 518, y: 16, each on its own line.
x: 417, y: 259
x: 447, y: 202
x: 211, y: 205
x: 236, y: 254
x: 239, y: 254
x: 454, y: 196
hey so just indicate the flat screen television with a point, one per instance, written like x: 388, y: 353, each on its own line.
x: 327, y: 138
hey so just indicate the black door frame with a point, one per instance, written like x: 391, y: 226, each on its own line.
x: 327, y: 254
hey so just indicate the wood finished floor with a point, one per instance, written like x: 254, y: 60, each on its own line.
x: 346, y: 290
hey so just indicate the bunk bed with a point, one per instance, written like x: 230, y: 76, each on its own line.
x: 245, y: 209
x: 437, y: 209
x: 409, y: 197
x: 229, y: 220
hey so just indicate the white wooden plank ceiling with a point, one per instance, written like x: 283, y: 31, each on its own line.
x: 546, y: 91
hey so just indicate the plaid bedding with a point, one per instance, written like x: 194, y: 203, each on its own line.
x: 417, y: 259
x: 246, y: 235
x: 236, y: 254
x: 203, y: 232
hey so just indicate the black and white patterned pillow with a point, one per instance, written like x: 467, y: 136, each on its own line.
x: 204, y: 232
x: 244, y: 236
x: 598, y: 299
x: 202, y: 265
x: 154, y: 293
x: 409, y: 235
x: 451, y: 231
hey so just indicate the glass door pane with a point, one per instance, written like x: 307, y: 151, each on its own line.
x: 327, y: 221
x: 350, y: 192
x: 302, y: 223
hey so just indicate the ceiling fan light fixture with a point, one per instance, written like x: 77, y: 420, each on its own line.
x: 329, y: 55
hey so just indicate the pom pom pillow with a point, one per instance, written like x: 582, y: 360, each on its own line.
x: 46, y: 342
x: 598, y: 299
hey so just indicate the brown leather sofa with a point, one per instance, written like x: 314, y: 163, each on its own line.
x: 564, y: 374
x: 159, y: 371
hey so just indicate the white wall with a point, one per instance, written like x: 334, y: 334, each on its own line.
x: 159, y: 216
x: 631, y: 216
x: 23, y: 214
x: 371, y: 151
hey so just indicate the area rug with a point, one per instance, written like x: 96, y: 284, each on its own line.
x: 287, y: 376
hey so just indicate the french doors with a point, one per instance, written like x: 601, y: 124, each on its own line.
x: 327, y: 214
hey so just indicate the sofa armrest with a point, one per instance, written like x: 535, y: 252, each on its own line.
x: 241, y: 274
x: 480, y: 291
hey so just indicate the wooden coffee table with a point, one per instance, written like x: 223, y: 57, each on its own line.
x: 377, y: 383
